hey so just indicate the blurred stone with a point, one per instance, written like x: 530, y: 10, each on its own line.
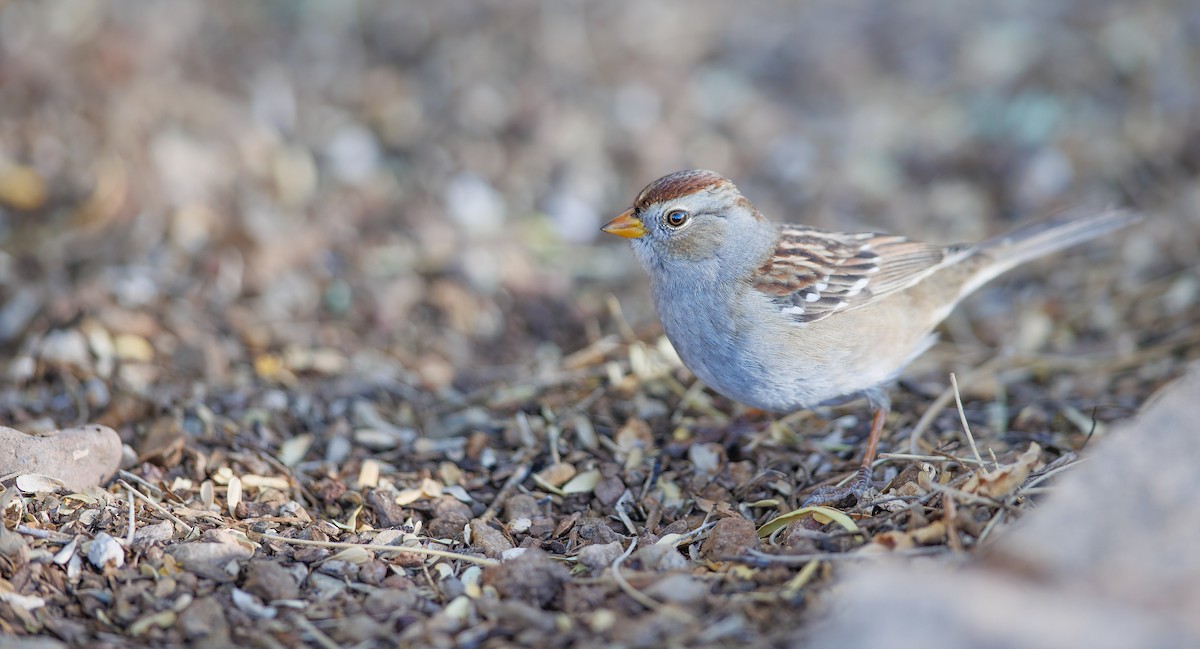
x: 133, y: 348
x: 21, y: 187
x: 660, y: 558
x: 17, y: 311
x: 475, y: 205
x: 353, y: 154
x: 204, y: 623
x: 678, y: 588
x: 80, y: 457
x: 490, y: 540
x: 270, y: 581
x: 730, y: 537
x: 599, y: 556
x: 532, y: 577
x: 215, y: 561
x: 66, y: 348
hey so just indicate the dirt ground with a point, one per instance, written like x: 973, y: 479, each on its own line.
x: 332, y: 271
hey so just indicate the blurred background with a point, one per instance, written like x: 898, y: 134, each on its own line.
x: 198, y: 194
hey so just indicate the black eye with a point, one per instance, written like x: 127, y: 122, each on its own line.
x: 675, y: 218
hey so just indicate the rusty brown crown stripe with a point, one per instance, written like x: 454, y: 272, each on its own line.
x: 680, y: 183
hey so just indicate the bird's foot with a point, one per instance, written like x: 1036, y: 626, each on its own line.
x: 840, y: 496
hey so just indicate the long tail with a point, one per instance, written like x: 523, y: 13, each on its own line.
x: 1029, y: 242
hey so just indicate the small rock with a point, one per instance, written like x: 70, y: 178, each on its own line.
x: 386, y: 510
x: 104, y: 551
x: 609, y: 490
x: 449, y: 526
x: 216, y: 561
x: 557, y: 474
x: 660, y: 558
x: 81, y: 457
x: 596, y: 530
x: 21, y: 187
x: 678, y: 588
x: 730, y: 537
x: 249, y: 604
x: 204, y: 622
x: 386, y: 601
x: 533, y: 577
x: 134, y: 349
x: 600, y: 556
x: 65, y: 348
x: 13, y: 548
x: 491, y: 541
x: 30, y: 642
x: 521, y: 506
x: 147, y: 535
x: 270, y: 581
x: 18, y: 311
x: 706, y: 458
x: 448, y: 506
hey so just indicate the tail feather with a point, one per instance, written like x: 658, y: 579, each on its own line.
x: 1029, y: 242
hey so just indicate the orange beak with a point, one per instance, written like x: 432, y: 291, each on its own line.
x: 626, y: 225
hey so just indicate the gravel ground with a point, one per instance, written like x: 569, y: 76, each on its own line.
x: 332, y: 272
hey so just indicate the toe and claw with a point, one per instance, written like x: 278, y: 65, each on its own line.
x: 835, y: 496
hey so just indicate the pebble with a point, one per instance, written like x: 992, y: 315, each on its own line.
x: 64, y: 347
x: 216, y: 561
x: 599, y: 556
x: 105, y: 551
x: 491, y: 541
x: 730, y: 537
x: 532, y: 577
x: 80, y: 457
x: 678, y: 588
x: 660, y: 558
x: 271, y: 581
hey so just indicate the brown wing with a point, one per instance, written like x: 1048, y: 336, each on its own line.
x: 815, y: 273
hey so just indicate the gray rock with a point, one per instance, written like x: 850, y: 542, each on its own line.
x: 1106, y: 561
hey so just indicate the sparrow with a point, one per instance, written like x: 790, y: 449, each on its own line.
x: 789, y: 317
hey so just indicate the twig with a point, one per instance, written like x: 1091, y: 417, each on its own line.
x: 962, y: 416
x: 133, y: 477
x: 516, y: 478
x: 945, y: 459
x: 625, y: 498
x: 132, y: 520
x: 444, y: 554
x: 940, y: 404
x: 637, y: 595
x: 157, y: 507
x: 318, y: 635
x: 45, y: 535
x: 618, y: 315
x: 991, y: 525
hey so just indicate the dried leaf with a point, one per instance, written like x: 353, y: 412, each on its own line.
x: 163, y: 620
x: 368, y: 474
x: 1004, y: 480
x: 233, y: 495
x: 253, y: 481
x: 557, y: 474
x: 821, y: 514
x: 293, y: 450
x: 902, y: 540
x: 583, y: 483
x: 32, y: 483
x: 352, y: 555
